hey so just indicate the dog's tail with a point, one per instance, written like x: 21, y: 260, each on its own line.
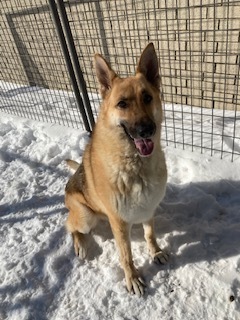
x: 72, y: 164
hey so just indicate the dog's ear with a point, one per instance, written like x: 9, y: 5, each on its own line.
x: 104, y: 73
x: 148, y: 65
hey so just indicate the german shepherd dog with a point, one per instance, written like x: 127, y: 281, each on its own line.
x: 123, y: 173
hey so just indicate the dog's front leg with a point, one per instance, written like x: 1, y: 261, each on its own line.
x: 159, y: 256
x: 121, y: 231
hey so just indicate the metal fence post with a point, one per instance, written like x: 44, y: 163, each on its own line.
x: 75, y: 61
x: 70, y: 68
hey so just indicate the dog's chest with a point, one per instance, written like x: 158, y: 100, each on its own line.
x: 139, y: 193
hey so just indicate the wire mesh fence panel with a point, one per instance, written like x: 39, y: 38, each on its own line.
x: 34, y: 81
x: 197, y: 41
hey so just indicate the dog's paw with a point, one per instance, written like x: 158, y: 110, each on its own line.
x: 136, y: 286
x: 80, y: 245
x: 161, y: 257
x: 80, y: 251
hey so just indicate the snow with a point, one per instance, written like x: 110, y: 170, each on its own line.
x: 198, y: 223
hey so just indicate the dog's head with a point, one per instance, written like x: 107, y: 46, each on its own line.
x: 132, y: 105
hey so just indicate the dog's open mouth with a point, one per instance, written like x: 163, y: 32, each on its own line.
x: 144, y: 146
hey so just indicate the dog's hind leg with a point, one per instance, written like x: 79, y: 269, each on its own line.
x: 81, y: 220
x: 159, y: 256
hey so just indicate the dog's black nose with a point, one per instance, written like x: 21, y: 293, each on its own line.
x: 146, y: 129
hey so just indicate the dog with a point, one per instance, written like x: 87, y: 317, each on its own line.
x: 123, y: 173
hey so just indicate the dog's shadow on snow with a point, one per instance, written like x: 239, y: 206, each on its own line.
x: 200, y: 221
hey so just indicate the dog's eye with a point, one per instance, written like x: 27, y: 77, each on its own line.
x: 122, y: 104
x: 147, y: 98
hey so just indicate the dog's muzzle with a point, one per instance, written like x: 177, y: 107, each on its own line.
x: 141, y: 135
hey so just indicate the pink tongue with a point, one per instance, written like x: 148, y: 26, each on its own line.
x: 144, y: 146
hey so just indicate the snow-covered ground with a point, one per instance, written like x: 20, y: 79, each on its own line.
x: 40, y: 278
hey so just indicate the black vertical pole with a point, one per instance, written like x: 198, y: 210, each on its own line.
x: 75, y: 61
x: 67, y: 57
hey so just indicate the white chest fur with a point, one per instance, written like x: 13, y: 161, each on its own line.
x: 140, y: 190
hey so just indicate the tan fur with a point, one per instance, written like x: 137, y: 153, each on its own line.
x: 115, y: 180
